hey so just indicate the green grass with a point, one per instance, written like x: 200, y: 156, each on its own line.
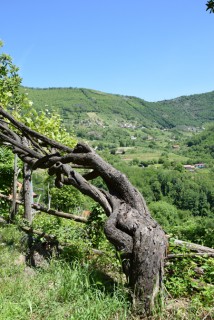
x: 149, y: 154
x: 61, y: 290
x: 142, y: 156
x: 81, y: 289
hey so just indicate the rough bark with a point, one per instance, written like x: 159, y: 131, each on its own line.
x: 130, y: 228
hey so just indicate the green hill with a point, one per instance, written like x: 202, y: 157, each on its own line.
x: 103, y: 109
x: 193, y: 110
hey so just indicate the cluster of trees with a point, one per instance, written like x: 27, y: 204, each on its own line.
x: 187, y: 191
x: 201, y: 145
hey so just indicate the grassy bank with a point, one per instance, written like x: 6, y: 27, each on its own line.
x: 89, y: 288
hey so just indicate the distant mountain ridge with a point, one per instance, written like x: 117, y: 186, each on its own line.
x: 83, y: 105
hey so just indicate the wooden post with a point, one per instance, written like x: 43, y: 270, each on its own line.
x: 27, y: 192
x: 27, y: 188
x: 14, y: 191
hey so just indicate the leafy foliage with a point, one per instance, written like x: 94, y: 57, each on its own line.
x: 197, y: 229
x: 95, y: 227
x: 166, y: 214
x: 47, y: 124
x: 68, y: 199
x: 191, y: 276
x: 6, y: 174
x: 10, y: 81
x: 201, y: 146
x: 210, y: 6
x: 64, y: 230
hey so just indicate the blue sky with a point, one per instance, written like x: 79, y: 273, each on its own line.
x: 154, y: 50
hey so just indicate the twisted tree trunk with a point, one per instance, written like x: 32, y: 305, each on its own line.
x: 140, y: 240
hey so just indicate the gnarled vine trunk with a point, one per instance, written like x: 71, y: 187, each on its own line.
x: 130, y: 228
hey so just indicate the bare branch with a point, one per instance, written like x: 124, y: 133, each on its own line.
x: 186, y: 255
x: 193, y: 246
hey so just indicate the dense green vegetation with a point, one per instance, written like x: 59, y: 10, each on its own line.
x: 90, y: 107
x: 150, y: 143
x: 109, y: 121
x: 78, y: 284
x: 202, y: 145
x: 181, y: 201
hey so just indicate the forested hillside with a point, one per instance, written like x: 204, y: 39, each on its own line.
x: 203, y: 143
x: 107, y: 109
